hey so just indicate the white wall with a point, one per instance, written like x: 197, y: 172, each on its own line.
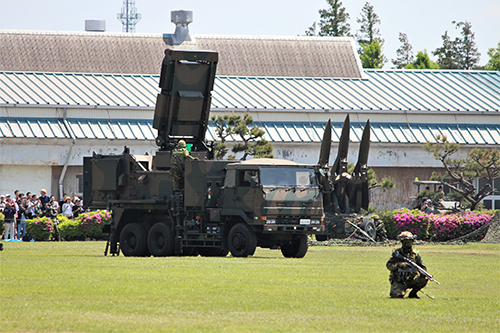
x: 25, y: 178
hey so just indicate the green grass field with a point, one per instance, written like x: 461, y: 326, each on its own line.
x: 72, y: 287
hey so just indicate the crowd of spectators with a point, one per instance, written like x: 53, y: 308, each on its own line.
x: 21, y: 207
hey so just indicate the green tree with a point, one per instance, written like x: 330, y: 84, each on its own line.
x: 447, y: 56
x: 333, y: 21
x: 460, y: 53
x: 404, y: 52
x: 422, y: 61
x: 253, y: 142
x: 368, y: 31
x: 468, y: 54
x: 223, y: 128
x: 461, y: 172
x: 494, y: 62
x: 372, y: 56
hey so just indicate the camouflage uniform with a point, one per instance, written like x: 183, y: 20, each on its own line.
x: 381, y: 234
x: 179, y: 155
x: 402, y: 277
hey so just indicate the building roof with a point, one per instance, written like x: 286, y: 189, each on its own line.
x: 381, y: 90
x: 278, y: 132
x: 125, y: 53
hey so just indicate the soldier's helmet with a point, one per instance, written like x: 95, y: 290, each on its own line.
x: 181, y: 144
x: 405, y: 235
x: 375, y: 217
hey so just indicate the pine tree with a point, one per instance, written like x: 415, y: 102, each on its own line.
x: 468, y: 56
x: 447, y: 56
x: 462, y: 52
x: 368, y: 32
x: 333, y: 21
x: 404, y: 53
x: 253, y: 142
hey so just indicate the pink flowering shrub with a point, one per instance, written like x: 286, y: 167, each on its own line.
x: 452, y: 226
x: 40, y: 228
x: 92, y: 223
x: 414, y: 221
x: 438, y: 227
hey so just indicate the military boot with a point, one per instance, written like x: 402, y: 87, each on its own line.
x: 413, y: 294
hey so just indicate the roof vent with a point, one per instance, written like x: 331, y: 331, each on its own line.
x: 181, y: 19
x: 95, y: 25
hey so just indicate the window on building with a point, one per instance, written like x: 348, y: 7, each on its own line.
x: 79, y: 184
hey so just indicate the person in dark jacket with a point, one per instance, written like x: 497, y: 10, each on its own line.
x: 9, y: 212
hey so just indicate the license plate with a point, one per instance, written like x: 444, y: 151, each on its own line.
x: 305, y: 221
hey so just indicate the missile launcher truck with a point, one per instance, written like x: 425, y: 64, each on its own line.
x: 223, y: 206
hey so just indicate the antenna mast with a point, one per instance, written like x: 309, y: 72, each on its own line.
x: 129, y: 16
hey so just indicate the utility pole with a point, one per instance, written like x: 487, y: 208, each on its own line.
x: 129, y: 16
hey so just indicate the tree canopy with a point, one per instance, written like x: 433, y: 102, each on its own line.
x: 372, y: 56
x: 460, y: 53
x: 461, y: 172
x: 494, y: 62
x: 422, y: 61
x: 404, y: 53
x: 253, y: 142
x: 333, y: 21
x: 368, y: 31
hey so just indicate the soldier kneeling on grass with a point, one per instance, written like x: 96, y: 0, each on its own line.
x: 403, y: 276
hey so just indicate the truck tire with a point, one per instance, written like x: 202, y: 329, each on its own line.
x: 296, y: 248
x: 369, y: 227
x: 133, y: 240
x: 242, y: 240
x: 161, y: 240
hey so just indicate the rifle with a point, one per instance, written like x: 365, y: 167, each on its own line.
x: 417, y: 267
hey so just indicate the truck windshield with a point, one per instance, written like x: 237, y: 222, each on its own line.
x: 287, y: 176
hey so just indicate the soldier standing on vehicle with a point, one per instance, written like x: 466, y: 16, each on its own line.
x: 177, y: 161
x: 403, y: 276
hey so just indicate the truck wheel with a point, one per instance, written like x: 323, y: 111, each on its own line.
x: 321, y: 238
x: 133, y: 240
x: 161, y: 240
x: 369, y: 227
x: 296, y: 248
x: 242, y: 240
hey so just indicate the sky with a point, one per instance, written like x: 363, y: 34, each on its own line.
x: 424, y: 21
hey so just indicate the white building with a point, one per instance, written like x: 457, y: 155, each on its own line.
x: 65, y: 95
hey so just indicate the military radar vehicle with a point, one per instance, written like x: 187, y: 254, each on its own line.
x: 224, y: 206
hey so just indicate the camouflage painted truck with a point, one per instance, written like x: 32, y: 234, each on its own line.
x: 225, y: 206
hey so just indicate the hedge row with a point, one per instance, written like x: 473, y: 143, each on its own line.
x: 434, y: 227
x: 87, y: 225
